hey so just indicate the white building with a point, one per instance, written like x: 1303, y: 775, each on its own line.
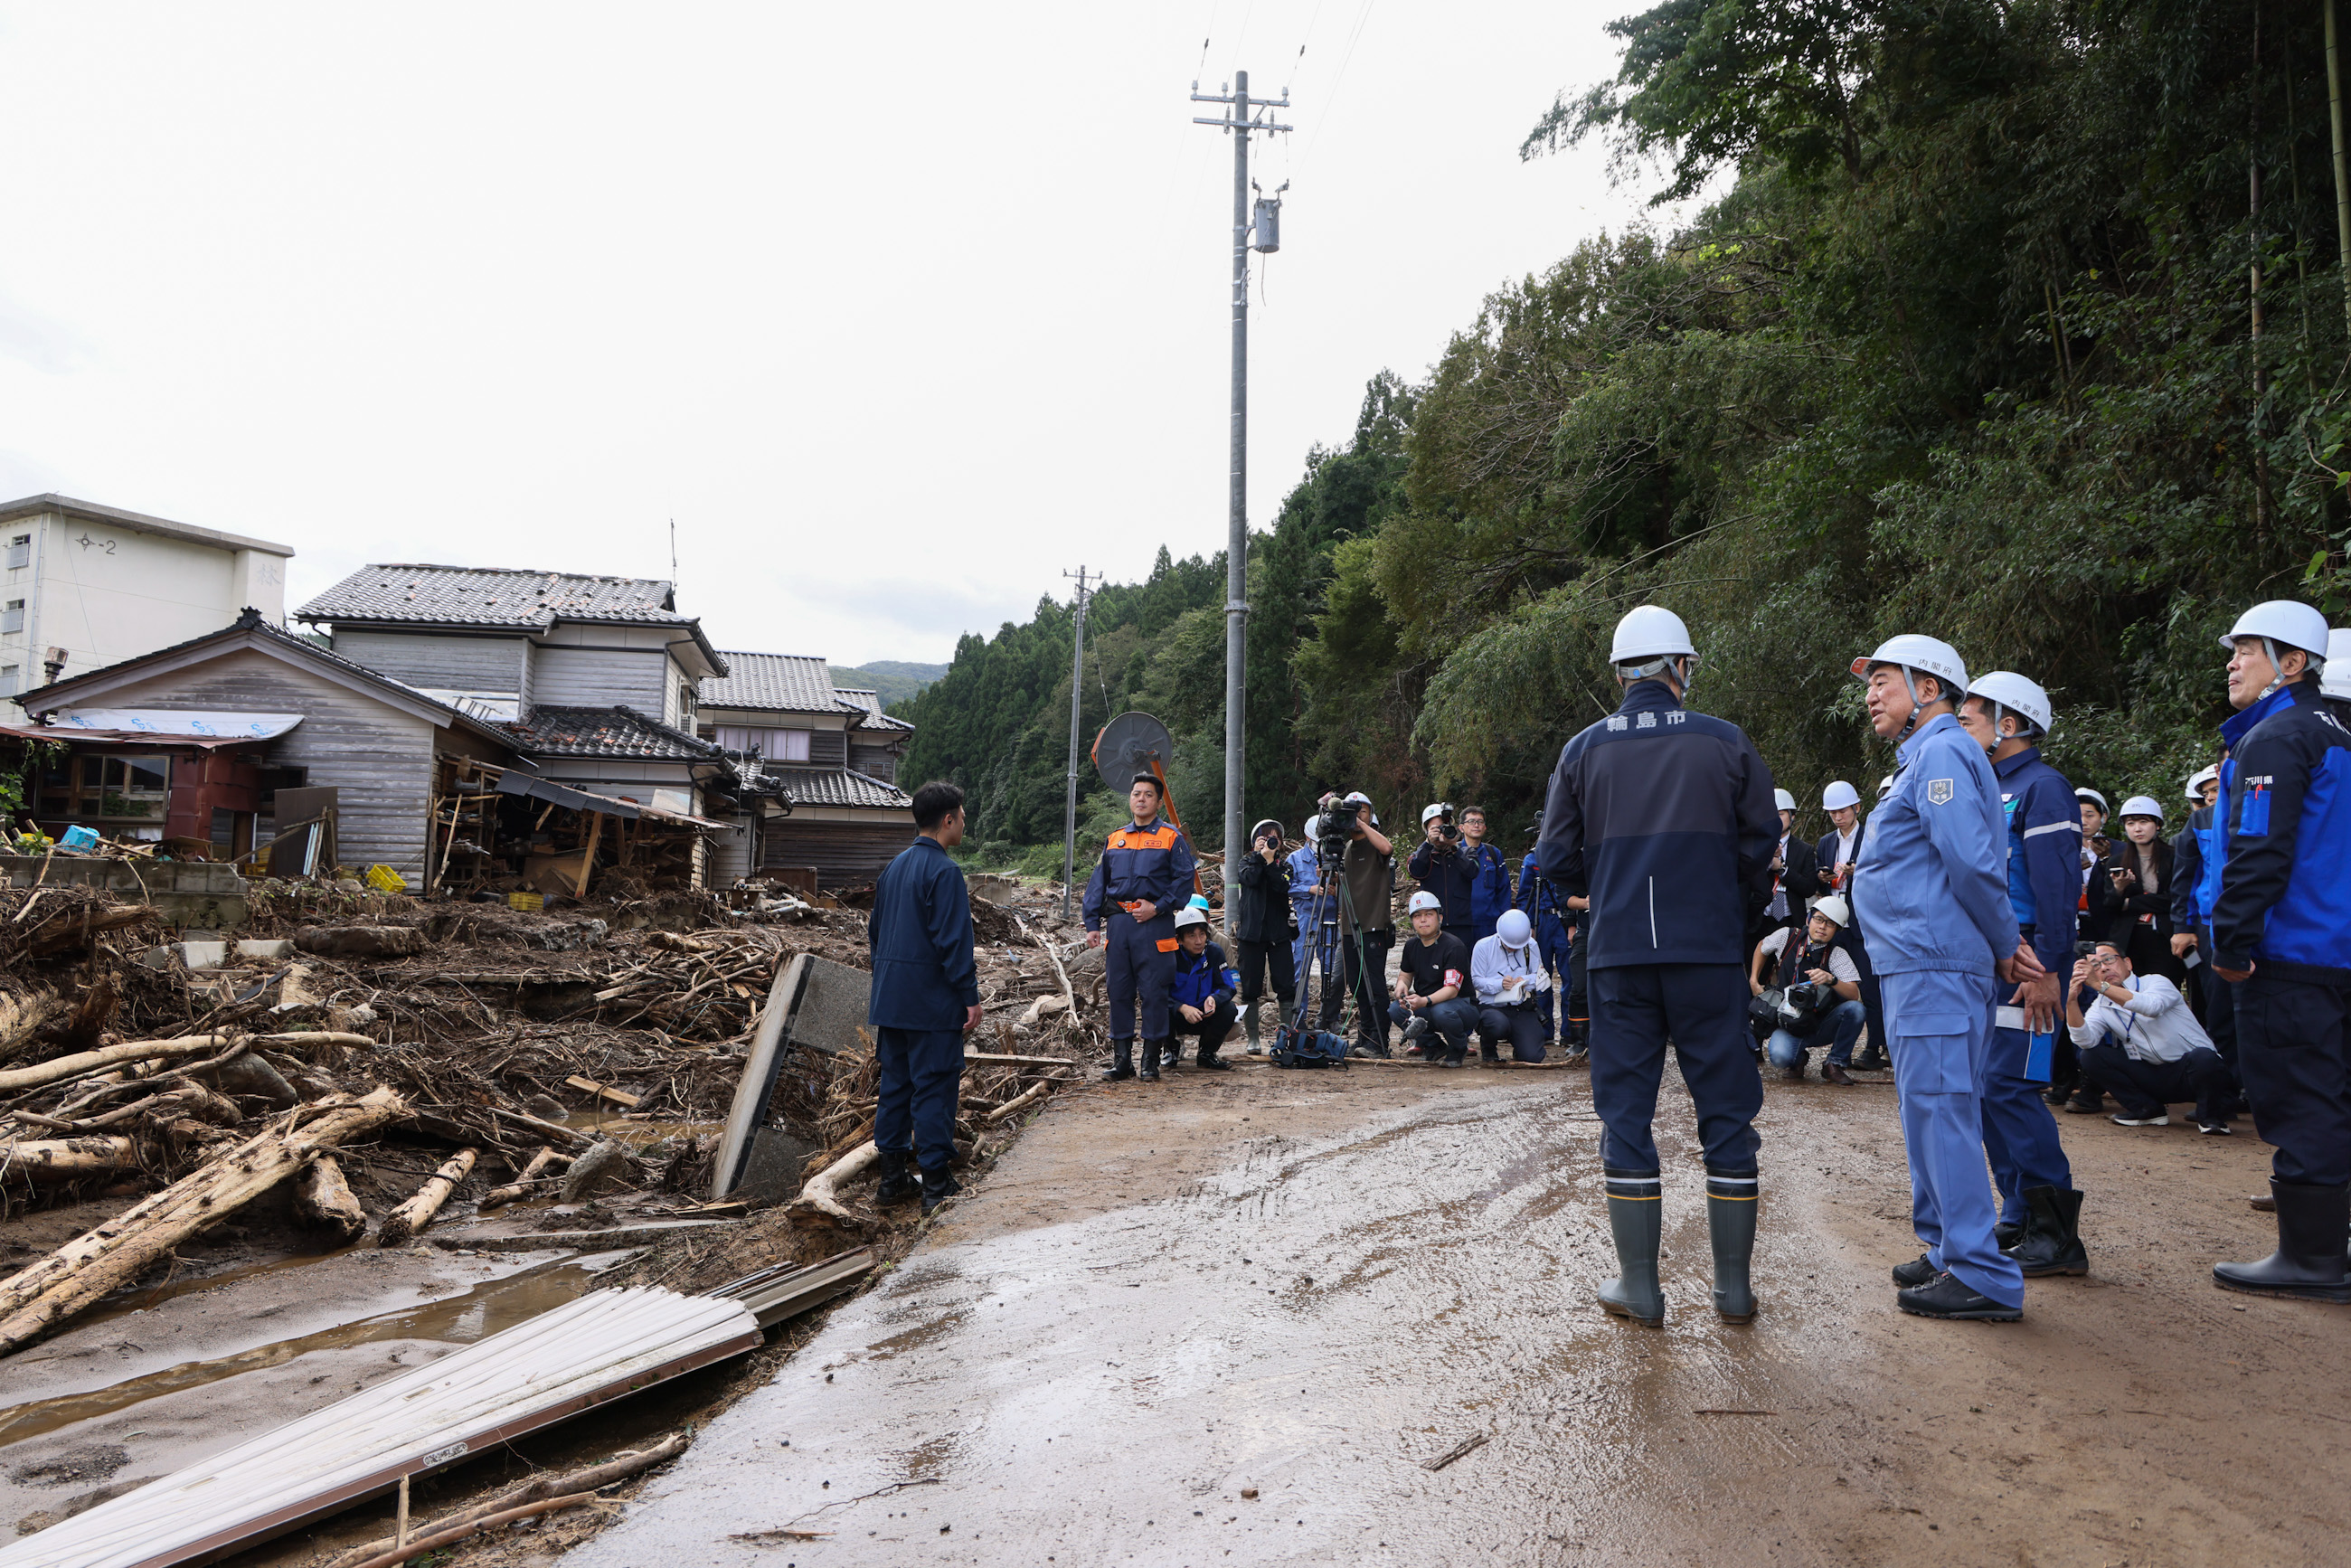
x: 89, y: 585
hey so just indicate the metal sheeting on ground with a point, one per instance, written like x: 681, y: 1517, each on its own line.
x: 602, y: 1346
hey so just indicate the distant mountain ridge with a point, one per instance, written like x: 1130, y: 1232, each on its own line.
x: 895, y: 680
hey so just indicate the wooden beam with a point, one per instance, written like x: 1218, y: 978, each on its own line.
x: 588, y: 857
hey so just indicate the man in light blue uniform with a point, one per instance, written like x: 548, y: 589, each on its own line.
x: 1933, y: 906
x: 2041, y: 1211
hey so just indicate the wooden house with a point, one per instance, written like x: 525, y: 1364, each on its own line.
x: 835, y: 754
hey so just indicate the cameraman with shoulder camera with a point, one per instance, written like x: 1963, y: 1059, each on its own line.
x: 1366, y: 922
x: 1261, y: 925
x: 1819, y: 979
x: 1440, y: 867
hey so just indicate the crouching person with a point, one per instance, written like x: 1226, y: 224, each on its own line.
x: 1818, y: 959
x: 1201, y: 995
x: 2141, y: 1043
x: 1434, y: 972
x: 1508, y: 970
x: 926, y: 995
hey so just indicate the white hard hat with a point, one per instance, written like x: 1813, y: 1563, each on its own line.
x: 1928, y: 655
x: 2335, y: 680
x: 1885, y: 785
x: 1356, y: 797
x: 1421, y: 900
x: 1783, y: 800
x: 1514, y: 928
x: 1434, y: 810
x: 1836, y: 909
x: 2006, y: 689
x: 1650, y: 632
x: 2143, y: 806
x: 2198, y: 779
x: 1190, y: 916
x: 2281, y: 620
x: 2093, y: 798
x: 1838, y: 796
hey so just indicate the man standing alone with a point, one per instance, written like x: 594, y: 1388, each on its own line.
x: 926, y: 995
x: 1665, y: 818
x: 1143, y: 877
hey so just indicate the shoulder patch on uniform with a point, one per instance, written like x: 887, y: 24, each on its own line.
x: 1939, y: 792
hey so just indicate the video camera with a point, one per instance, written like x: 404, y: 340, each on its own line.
x: 1333, y: 826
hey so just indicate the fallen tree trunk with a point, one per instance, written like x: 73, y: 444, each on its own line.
x: 84, y: 1268
x: 323, y: 1198
x: 62, y: 1159
x: 818, y: 1193
x: 1021, y: 1101
x: 521, y: 1188
x: 618, y: 1468
x: 59, y: 1067
x: 417, y: 1213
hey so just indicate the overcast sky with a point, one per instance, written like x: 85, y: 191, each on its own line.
x: 898, y: 311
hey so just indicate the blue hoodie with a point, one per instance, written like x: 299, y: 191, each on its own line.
x: 1930, y: 891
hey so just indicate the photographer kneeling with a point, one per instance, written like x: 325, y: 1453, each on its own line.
x: 2140, y: 1042
x: 1508, y: 970
x: 1822, y: 981
x: 1434, y: 967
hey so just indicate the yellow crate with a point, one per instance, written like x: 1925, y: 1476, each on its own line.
x: 383, y: 879
x: 530, y: 901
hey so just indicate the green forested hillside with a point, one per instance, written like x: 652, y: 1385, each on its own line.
x: 893, y: 680
x: 2023, y: 325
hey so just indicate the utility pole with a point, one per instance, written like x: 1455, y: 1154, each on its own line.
x: 1239, y: 120
x: 1069, y: 808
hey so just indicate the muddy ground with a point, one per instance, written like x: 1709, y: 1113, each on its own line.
x: 1314, y: 1286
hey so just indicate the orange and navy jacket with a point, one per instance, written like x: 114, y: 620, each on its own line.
x: 1152, y: 864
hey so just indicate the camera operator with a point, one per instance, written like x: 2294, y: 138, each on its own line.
x: 1440, y: 867
x: 1819, y: 962
x: 1261, y: 925
x: 1434, y: 972
x: 1314, y: 913
x: 1367, y: 920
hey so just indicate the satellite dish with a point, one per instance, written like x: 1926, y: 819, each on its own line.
x: 1130, y: 743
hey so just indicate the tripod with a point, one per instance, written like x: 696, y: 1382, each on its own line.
x: 1325, y: 918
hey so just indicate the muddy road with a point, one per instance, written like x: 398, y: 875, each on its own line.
x: 1248, y: 1319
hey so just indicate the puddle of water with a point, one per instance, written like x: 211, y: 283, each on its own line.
x: 461, y: 1319
x: 146, y: 1299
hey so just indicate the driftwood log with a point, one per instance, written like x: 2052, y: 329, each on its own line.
x: 322, y: 1198
x: 1022, y: 1101
x: 63, y: 1159
x: 521, y: 1188
x: 59, y: 1067
x: 820, y: 1193
x: 417, y: 1213
x: 84, y: 1268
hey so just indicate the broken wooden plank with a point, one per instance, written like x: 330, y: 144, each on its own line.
x: 604, y: 1092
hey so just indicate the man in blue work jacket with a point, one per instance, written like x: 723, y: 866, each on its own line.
x: 2041, y: 1214
x: 1143, y: 877
x: 924, y: 997
x: 2281, y: 933
x: 1663, y: 817
x: 1489, y: 875
x: 1932, y: 896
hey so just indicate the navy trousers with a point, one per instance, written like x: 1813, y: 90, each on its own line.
x: 2019, y: 1133
x: 1702, y: 1008
x: 2291, y: 1045
x: 1139, y: 964
x: 1521, y: 1025
x: 1938, y: 1028
x: 2151, y: 1088
x: 921, y: 1080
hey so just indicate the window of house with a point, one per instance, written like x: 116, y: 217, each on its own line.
x: 94, y: 790
x: 685, y: 704
x: 11, y: 616
x: 772, y: 745
x: 11, y: 679
x: 20, y: 550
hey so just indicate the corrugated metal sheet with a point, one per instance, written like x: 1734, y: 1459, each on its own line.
x: 602, y: 1346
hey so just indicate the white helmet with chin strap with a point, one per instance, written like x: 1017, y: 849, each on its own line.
x: 1915, y: 655
x: 2281, y: 620
x: 2335, y: 680
x: 2006, y: 692
x: 1652, y: 641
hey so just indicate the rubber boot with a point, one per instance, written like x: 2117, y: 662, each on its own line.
x: 938, y: 1186
x: 1147, y: 1067
x: 897, y: 1180
x: 1249, y: 1029
x: 1730, y: 1210
x: 1122, y: 1060
x: 1636, y: 1219
x: 2309, y: 1261
x: 2052, y: 1242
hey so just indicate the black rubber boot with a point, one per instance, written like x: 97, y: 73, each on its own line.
x: 2005, y: 1236
x: 897, y: 1180
x: 1122, y: 1060
x: 1636, y: 1219
x: 1730, y: 1214
x: 1146, y: 1066
x: 2052, y: 1242
x: 938, y: 1186
x: 2309, y: 1261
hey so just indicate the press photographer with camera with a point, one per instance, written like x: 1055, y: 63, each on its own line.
x: 1817, y: 980
x: 1441, y: 868
x: 1262, y: 925
x: 1348, y: 831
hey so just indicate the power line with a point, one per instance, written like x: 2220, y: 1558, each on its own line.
x: 1332, y: 97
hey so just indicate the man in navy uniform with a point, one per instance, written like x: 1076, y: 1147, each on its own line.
x: 1932, y: 896
x: 1664, y: 817
x: 2281, y: 935
x: 924, y: 997
x: 2041, y: 1212
x: 1143, y: 877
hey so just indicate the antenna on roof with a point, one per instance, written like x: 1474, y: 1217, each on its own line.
x: 672, y: 557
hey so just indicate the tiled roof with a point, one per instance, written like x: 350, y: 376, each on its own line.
x: 779, y: 682
x: 607, y: 732
x: 840, y: 786
x: 490, y: 596
x: 868, y: 703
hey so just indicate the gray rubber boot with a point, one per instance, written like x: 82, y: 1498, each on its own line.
x: 1248, y: 1028
x: 1730, y: 1210
x: 1636, y: 1219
